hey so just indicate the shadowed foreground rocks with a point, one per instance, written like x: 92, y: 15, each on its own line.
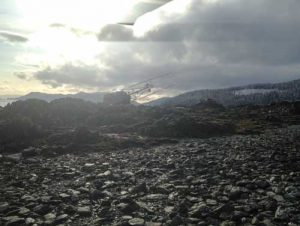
x: 238, y: 180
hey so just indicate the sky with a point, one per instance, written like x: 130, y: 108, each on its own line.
x: 65, y: 46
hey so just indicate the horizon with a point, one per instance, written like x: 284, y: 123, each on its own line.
x: 167, y: 96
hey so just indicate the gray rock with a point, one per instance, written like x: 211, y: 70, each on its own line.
x: 199, y: 210
x: 23, y: 211
x: 263, y: 184
x: 29, y: 221
x: 29, y: 152
x: 84, y: 211
x: 142, y: 187
x: 96, y: 194
x: 136, y: 222
x: 13, y: 158
x: 50, y: 217
x: 228, y: 223
x: 154, y: 197
x: 176, y: 221
x: 129, y: 208
x: 281, y: 214
x: 4, y: 207
x: 14, y: 221
x: 235, y: 193
x: 61, y: 219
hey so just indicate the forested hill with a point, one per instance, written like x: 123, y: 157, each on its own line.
x: 260, y: 94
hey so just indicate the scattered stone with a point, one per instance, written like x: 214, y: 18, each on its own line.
x: 14, y: 221
x: 235, y: 193
x: 262, y: 184
x: 129, y: 208
x: 199, y: 210
x: 226, y: 181
x: 281, y: 214
x: 142, y: 187
x: 29, y: 152
x: 136, y: 222
x: 84, y: 211
x: 155, y: 197
x: 13, y: 158
x: 61, y: 219
x: 50, y: 217
x: 29, y: 221
x: 176, y: 221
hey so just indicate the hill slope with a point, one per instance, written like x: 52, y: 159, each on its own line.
x: 260, y: 94
x: 96, y: 97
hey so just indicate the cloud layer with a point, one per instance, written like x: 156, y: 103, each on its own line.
x: 210, y: 44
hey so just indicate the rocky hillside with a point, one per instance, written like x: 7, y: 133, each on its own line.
x: 73, y: 122
x: 257, y: 94
x: 237, y: 180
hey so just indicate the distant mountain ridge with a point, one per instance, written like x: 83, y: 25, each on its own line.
x: 259, y: 94
x: 95, y: 97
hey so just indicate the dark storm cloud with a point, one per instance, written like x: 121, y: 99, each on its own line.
x: 231, y: 42
x: 12, y: 37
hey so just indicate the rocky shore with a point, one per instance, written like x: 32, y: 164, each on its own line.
x: 234, y: 180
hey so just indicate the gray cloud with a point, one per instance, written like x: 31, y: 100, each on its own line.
x: 77, y: 31
x: 77, y: 75
x: 231, y: 42
x: 22, y: 75
x: 116, y: 32
x: 12, y: 37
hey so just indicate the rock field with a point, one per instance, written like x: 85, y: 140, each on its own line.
x: 227, y: 181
